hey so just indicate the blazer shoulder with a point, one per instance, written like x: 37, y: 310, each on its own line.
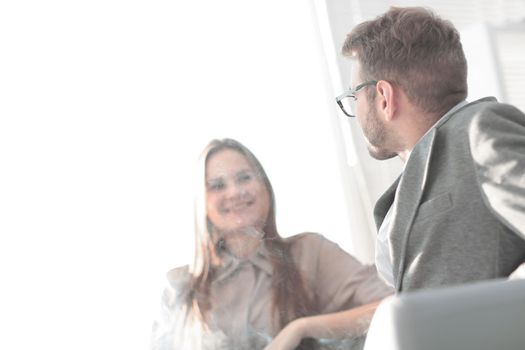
x: 489, y: 106
x: 489, y: 111
x: 475, y: 112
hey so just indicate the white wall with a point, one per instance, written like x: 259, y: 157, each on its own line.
x: 484, y: 78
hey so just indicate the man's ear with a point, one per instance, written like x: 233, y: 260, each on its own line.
x: 386, y: 99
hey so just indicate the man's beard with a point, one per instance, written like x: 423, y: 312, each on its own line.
x: 376, y: 135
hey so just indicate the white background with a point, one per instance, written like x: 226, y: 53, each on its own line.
x: 104, y: 108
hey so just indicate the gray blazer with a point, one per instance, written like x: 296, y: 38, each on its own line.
x: 460, y: 213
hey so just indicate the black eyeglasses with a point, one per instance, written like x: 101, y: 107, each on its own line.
x: 346, y: 101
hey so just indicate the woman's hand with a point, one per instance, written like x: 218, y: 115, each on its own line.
x: 290, y: 336
x: 338, y: 325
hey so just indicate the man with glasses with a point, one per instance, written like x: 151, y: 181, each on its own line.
x: 457, y: 212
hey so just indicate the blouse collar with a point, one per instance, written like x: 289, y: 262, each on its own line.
x: 231, y: 264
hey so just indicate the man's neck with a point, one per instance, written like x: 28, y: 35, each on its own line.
x: 416, y: 131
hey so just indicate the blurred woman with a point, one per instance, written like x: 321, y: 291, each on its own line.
x: 249, y: 288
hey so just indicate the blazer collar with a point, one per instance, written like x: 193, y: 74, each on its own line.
x: 384, y: 203
x: 460, y: 107
x: 411, y: 186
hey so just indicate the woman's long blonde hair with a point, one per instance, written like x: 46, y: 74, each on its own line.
x: 290, y: 299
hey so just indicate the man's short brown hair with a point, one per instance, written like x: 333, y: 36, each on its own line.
x: 414, y: 48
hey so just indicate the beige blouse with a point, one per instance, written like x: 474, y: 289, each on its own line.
x: 241, y: 314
